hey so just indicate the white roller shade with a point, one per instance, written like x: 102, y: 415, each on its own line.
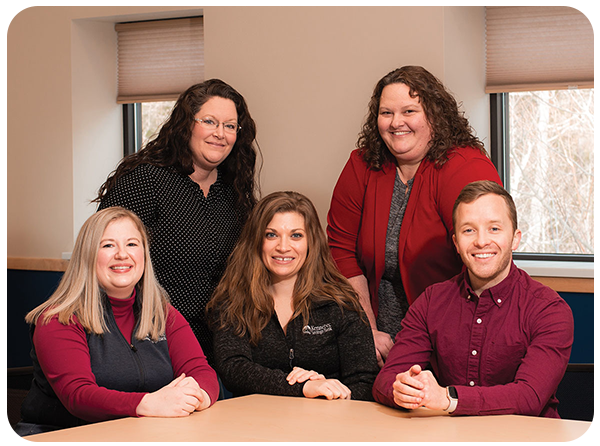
x: 159, y: 60
x: 538, y: 48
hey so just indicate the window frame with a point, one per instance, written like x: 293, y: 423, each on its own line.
x: 132, y: 128
x: 500, y: 156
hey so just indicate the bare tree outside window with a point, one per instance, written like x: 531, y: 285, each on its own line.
x: 552, y: 169
x: 154, y: 114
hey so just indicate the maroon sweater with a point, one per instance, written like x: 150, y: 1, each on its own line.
x: 64, y: 357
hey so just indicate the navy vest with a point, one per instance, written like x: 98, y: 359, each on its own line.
x: 142, y: 366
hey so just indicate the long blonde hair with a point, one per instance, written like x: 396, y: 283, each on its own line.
x: 242, y: 300
x: 79, y: 293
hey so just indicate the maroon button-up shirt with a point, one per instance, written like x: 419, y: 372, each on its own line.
x: 505, y: 351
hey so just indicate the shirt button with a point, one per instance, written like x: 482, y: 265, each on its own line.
x: 479, y: 321
x: 474, y: 352
x: 499, y: 301
x: 472, y: 383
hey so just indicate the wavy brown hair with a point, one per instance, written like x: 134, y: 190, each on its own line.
x: 242, y: 300
x: 450, y: 129
x: 170, y: 148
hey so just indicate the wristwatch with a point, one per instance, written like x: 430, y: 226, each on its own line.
x: 452, y: 397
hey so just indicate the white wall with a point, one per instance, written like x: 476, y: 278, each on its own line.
x: 64, y: 130
x: 97, y: 119
x: 39, y: 134
x: 464, y: 65
x: 306, y: 72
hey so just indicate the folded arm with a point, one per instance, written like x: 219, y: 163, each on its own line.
x: 64, y: 357
x: 538, y: 375
x: 241, y: 375
x: 187, y: 356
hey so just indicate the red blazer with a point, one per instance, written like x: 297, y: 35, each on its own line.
x: 360, y: 208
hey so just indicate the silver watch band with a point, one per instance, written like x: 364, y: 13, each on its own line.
x: 453, y: 401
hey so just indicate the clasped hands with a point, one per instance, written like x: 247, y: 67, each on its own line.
x: 416, y: 387
x: 316, y: 385
x: 179, y: 398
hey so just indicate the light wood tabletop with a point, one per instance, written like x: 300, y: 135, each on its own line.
x: 276, y: 418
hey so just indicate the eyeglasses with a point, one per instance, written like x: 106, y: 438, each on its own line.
x: 213, y: 124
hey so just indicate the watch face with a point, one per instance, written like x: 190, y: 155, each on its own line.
x: 452, y: 392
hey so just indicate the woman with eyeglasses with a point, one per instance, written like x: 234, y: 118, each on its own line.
x: 107, y: 344
x: 286, y: 321
x: 193, y: 186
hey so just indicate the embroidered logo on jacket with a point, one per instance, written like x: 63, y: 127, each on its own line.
x: 316, y: 330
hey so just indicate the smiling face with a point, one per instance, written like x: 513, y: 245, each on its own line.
x: 210, y: 147
x: 485, y: 238
x: 120, y: 262
x: 285, y: 246
x: 403, y: 125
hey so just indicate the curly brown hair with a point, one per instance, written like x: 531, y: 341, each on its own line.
x: 450, y: 129
x: 170, y: 148
x: 242, y: 300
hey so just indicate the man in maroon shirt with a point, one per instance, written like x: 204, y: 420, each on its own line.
x: 493, y: 340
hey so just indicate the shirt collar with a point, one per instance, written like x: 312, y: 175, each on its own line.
x: 217, y: 185
x: 122, y: 302
x: 465, y: 286
x: 499, y: 293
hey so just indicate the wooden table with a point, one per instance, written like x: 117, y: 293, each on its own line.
x: 276, y: 418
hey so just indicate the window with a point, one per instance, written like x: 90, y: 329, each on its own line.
x: 157, y: 61
x: 540, y: 76
x: 142, y: 122
x: 542, y: 145
x: 154, y: 114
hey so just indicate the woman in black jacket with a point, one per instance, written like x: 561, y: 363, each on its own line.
x: 286, y: 321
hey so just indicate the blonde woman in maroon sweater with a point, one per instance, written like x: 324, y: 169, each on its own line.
x: 107, y: 344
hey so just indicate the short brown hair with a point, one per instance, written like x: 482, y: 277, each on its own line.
x: 477, y: 189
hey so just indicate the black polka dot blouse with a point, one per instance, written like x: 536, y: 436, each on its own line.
x: 191, y: 236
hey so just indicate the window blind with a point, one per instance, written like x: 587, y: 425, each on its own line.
x: 538, y: 48
x: 158, y: 60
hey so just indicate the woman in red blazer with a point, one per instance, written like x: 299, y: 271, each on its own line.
x: 390, y: 220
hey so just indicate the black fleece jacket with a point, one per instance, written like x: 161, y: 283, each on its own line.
x: 336, y: 343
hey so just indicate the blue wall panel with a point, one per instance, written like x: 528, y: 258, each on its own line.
x: 27, y: 289
x: 582, y: 305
